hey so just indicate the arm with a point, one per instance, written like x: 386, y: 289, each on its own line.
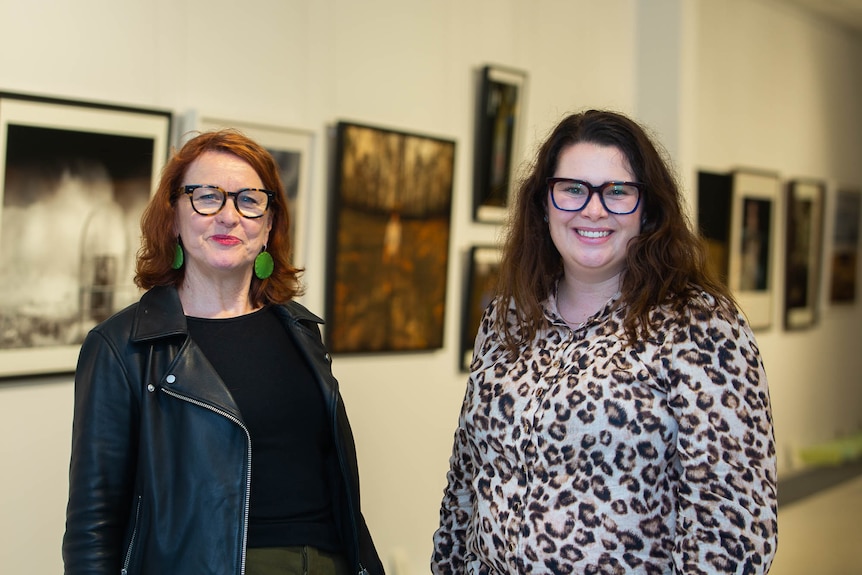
x: 101, y: 472
x: 727, y: 506
x: 457, y: 507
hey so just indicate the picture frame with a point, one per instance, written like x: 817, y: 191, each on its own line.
x: 803, y: 248
x: 387, y: 252
x: 292, y: 149
x: 755, y: 201
x: 74, y: 179
x: 483, y: 268
x: 499, y: 140
x: 845, y: 247
x: 714, y: 204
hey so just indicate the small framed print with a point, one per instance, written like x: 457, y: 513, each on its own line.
x: 755, y: 202
x: 498, y: 146
x: 804, y: 228
x: 483, y: 268
x: 714, y: 202
x: 845, y: 247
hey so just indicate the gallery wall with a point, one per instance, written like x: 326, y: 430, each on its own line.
x: 724, y: 83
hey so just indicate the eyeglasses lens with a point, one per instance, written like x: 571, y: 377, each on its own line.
x: 208, y: 201
x: 573, y: 196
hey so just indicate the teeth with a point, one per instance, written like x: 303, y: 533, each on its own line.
x: 591, y: 234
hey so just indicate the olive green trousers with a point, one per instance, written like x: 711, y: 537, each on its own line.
x: 293, y: 561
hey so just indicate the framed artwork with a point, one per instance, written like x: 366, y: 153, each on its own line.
x: 714, y: 203
x: 483, y: 268
x: 292, y: 150
x: 75, y: 178
x: 388, y: 248
x: 754, y: 205
x: 845, y: 250
x: 498, y: 146
x: 804, y: 229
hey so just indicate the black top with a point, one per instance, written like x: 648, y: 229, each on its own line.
x: 282, y: 406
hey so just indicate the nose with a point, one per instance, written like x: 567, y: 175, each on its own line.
x: 229, y: 215
x: 594, y: 208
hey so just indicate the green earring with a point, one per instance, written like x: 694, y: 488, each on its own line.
x: 263, y: 265
x: 179, y: 257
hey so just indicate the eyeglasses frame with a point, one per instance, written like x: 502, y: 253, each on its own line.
x: 189, y: 189
x: 596, y: 190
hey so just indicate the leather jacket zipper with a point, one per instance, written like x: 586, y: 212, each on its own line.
x: 128, y: 557
x: 248, y: 474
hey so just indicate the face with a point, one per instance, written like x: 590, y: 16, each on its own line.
x: 225, y: 243
x: 592, y: 241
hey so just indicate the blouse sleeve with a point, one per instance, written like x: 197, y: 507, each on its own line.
x: 727, y: 504
x: 456, y: 510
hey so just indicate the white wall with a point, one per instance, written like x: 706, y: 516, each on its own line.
x: 780, y: 91
x: 753, y: 83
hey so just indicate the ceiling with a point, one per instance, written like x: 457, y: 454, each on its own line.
x: 844, y: 12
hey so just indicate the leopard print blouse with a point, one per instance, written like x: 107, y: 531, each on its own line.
x: 588, y: 455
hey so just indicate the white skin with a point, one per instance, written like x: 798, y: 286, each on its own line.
x: 592, y: 242
x: 220, y: 249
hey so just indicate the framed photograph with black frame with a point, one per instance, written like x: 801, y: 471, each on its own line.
x: 483, y: 268
x: 714, y: 204
x: 498, y: 146
x: 755, y: 203
x: 388, y: 248
x: 75, y: 179
x: 803, y: 248
x: 292, y: 149
x: 845, y: 247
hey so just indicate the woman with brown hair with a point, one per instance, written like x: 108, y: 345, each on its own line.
x: 209, y: 435
x: 617, y: 416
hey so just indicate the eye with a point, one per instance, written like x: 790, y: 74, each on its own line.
x: 252, y: 198
x: 208, y: 197
x: 620, y: 191
x: 573, y: 188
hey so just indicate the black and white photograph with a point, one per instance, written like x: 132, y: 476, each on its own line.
x: 75, y: 180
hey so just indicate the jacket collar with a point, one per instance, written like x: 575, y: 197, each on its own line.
x: 160, y: 314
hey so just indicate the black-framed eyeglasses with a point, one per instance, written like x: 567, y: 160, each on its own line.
x: 570, y: 195
x: 208, y: 200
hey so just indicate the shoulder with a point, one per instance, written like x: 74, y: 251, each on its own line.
x: 296, y: 311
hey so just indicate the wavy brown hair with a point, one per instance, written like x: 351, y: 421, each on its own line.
x: 666, y: 263
x: 156, y: 255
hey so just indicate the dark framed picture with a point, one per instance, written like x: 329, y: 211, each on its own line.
x: 714, y: 204
x: 751, y: 260
x: 388, y: 248
x: 292, y: 150
x: 845, y: 247
x: 498, y: 145
x: 803, y: 246
x: 483, y: 268
x: 75, y: 179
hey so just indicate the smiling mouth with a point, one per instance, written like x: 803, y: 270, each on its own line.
x: 593, y: 234
x: 225, y: 240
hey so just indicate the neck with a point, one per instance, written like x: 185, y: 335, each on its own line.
x: 215, y: 299
x: 578, y: 300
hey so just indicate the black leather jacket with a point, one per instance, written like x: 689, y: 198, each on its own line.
x: 160, y: 471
